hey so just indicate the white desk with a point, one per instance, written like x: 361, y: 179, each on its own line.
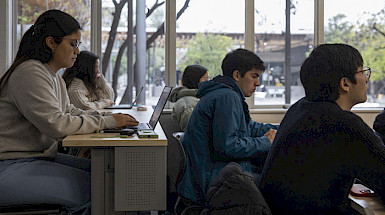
x: 127, y: 174
x: 372, y: 205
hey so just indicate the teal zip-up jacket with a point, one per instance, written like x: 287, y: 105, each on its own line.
x: 220, y: 130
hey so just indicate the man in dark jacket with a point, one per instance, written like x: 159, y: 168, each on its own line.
x: 321, y: 146
x: 220, y: 129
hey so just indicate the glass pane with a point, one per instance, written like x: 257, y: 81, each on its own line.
x: 206, y: 31
x: 270, y: 22
x: 29, y: 10
x: 361, y: 25
x: 115, y: 46
x: 156, y: 58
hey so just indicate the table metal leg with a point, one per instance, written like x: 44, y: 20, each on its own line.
x: 97, y: 182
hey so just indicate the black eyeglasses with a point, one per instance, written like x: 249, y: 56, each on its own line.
x: 366, y: 71
x: 74, y: 43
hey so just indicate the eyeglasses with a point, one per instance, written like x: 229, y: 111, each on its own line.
x: 74, y: 43
x: 366, y: 71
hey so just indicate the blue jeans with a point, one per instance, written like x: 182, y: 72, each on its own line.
x: 65, y: 180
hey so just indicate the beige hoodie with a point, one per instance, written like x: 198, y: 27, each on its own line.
x: 35, y: 113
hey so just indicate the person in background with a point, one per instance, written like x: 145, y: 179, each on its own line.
x: 321, y: 146
x: 379, y: 125
x: 185, y: 96
x: 220, y: 129
x: 36, y: 114
x: 86, y: 86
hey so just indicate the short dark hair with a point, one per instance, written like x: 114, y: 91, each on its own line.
x: 242, y: 60
x: 326, y: 65
x: 191, y: 76
x: 84, y: 69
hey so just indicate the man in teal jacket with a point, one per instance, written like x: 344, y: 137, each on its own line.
x: 220, y: 129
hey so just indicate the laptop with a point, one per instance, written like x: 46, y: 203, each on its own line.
x: 154, y: 117
x: 157, y: 111
x: 126, y: 106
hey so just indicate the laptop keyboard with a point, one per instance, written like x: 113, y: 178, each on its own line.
x: 120, y: 106
x: 143, y: 126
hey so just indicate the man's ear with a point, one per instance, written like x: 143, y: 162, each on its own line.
x: 236, y: 75
x: 344, y: 84
x: 50, y: 43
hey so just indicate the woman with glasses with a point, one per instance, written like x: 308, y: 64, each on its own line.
x: 86, y: 86
x: 36, y: 114
x: 185, y: 96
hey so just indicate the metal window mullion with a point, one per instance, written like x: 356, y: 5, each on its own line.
x: 249, y: 36
x: 170, y: 29
x: 96, y: 27
x: 319, y: 22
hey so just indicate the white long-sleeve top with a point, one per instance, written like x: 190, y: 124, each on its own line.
x: 35, y: 113
x: 81, y: 98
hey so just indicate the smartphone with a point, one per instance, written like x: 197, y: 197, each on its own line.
x: 147, y: 134
x: 361, y: 190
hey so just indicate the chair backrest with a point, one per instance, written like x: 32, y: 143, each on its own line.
x: 179, y: 136
x: 183, y: 160
x: 170, y: 126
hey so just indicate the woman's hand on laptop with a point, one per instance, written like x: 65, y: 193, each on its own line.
x: 127, y: 115
x: 124, y: 120
x: 110, y: 101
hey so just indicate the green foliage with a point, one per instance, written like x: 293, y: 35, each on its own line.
x: 373, y: 45
x: 207, y: 50
x: 160, y: 58
x: 368, y: 37
x: 156, y: 18
x: 339, y: 30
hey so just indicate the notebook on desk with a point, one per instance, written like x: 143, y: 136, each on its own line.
x: 155, y: 114
x: 126, y: 106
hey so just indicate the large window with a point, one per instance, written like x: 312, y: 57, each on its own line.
x: 133, y: 48
x: 361, y: 25
x: 204, y: 31
x: 270, y: 41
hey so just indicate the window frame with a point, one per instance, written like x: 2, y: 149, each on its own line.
x: 9, y: 41
x: 170, y: 35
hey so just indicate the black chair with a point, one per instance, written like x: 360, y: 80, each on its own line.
x: 183, y: 160
x: 170, y: 126
x: 176, y: 165
x: 182, y: 165
x: 188, y: 207
x: 33, y: 209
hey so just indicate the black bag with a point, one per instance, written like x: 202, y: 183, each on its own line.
x: 234, y: 192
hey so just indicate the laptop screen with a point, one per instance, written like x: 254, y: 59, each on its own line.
x: 160, y: 105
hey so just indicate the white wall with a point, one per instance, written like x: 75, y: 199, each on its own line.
x: 275, y: 116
